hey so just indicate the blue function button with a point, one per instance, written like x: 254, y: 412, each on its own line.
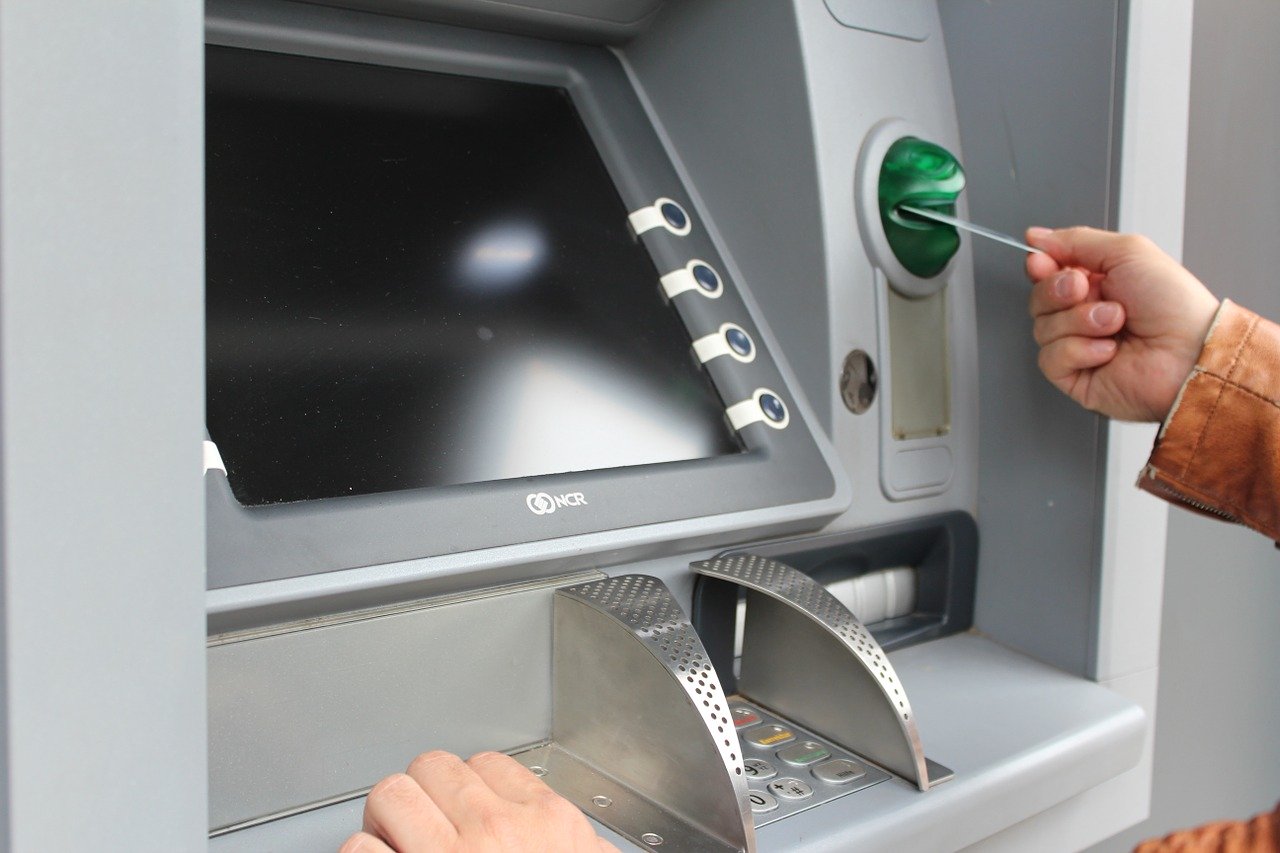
x: 773, y: 408
x: 674, y: 214
x: 706, y: 277
x: 739, y: 341
x: 758, y: 768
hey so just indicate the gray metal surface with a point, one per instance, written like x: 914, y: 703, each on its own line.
x: 309, y: 712
x: 636, y: 698
x: 101, y: 400
x: 676, y: 502
x: 909, y: 20
x: 591, y: 21
x: 1022, y: 72
x: 619, y: 807
x: 806, y: 657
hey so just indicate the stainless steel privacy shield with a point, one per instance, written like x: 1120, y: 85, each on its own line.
x: 805, y: 656
x: 641, y: 737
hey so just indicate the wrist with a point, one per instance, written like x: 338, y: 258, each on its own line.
x: 1211, y: 312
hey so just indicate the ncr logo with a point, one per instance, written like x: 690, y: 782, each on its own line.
x: 541, y: 503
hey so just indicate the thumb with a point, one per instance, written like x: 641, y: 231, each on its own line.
x: 1091, y: 248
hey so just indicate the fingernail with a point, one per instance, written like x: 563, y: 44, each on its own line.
x: 1037, y: 233
x: 1104, y: 313
x: 1102, y: 345
x: 1062, y: 284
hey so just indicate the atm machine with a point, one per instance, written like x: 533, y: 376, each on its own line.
x: 575, y: 387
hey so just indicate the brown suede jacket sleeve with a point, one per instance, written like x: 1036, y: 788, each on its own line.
x: 1259, y: 835
x: 1218, y: 452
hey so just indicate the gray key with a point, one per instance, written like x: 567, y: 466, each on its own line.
x: 756, y: 768
x: 839, y: 771
x: 803, y: 753
x: 790, y: 789
x: 761, y: 802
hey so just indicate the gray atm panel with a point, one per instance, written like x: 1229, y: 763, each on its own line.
x: 788, y: 475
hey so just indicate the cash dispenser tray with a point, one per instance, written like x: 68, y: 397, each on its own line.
x: 641, y: 738
x: 806, y: 658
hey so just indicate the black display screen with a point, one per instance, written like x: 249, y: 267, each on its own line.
x: 418, y: 279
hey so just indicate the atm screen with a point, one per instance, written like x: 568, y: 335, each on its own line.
x: 418, y: 279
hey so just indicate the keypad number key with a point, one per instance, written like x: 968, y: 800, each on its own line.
x: 761, y: 802
x: 756, y: 768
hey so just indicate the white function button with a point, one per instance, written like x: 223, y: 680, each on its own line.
x: 764, y: 407
x: 696, y: 276
x: 731, y: 340
x: 213, y: 459
x: 761, y: 802
x: 663, y: 213
x: 790, y: 789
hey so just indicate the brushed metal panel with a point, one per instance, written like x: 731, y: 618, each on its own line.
x: 636, y: 698
x: 312, y: 712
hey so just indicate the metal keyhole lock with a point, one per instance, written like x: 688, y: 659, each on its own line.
x: 858, y: 382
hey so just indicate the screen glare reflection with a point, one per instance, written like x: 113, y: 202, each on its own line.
x: 503, y: 256
x: 561, y: 412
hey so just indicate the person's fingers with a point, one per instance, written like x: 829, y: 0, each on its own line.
x: 1063, y: 359
x: 605, y: 846
x: 1058, y: 292
x: 462, y: 796
x: 401, y: 813
x: 1040, y: 265
x: 508, y: 778
x: 1095, y: 250
x: 1088, y: 319
x: 363, y: 842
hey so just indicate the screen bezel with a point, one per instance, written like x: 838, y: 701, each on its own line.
x: 783, y: 478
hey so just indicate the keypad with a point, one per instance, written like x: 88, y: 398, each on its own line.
x: 813, y: 771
